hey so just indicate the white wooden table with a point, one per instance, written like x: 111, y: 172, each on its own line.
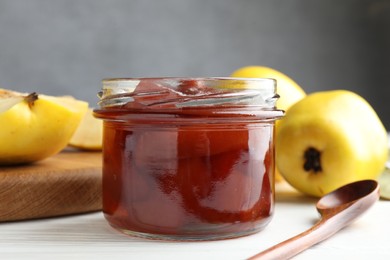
x: 88, y: 236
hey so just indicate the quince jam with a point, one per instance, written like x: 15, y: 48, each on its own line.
x: 183, y: 160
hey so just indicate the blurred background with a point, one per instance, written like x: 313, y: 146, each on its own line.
x: 65, y: 47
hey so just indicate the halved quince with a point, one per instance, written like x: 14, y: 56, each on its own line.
x: 89, y: 134
x: 35, y: 126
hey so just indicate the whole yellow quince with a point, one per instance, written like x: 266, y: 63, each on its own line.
x: 289, y: 91
x: 34, y: 127
x: 329, y: 139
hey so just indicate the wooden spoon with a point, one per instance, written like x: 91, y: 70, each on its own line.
x: 337, y: 209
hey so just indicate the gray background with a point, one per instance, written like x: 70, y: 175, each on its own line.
x: 67, y: 46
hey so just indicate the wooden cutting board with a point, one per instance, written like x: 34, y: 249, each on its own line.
x: 67, y: 183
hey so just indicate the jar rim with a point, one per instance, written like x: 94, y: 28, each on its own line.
x: 108, y: 80
x: 189, y: 91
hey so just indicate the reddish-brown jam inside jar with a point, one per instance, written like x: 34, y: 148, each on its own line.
x: 188, y: 159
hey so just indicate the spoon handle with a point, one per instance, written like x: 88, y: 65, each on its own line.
x: 293, y: 246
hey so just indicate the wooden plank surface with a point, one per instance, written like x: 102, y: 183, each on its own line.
x: 67, y: 183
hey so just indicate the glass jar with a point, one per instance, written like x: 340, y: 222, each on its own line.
x: 188, y: 158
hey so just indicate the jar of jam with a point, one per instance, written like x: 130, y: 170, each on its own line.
x: 188, y: 158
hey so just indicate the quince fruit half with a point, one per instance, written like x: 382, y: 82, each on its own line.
x: 329, y: 139
x: 289, y: 91
x: 89, y: 134
x: 35, y: 126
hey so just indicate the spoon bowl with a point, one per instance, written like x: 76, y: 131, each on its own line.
x: 342, y: 198
x: 338, y: 209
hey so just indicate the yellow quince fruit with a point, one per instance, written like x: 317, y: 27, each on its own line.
x: 35, y: 126
x: 89, y: 134
x: 289, y: 91
x: 329, y: 139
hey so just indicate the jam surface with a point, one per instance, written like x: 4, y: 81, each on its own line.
x: 186, y: 181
